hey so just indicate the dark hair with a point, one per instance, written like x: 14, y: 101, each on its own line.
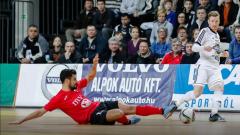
x: 125, y: 15
x: 101, y: 1
x: 67, y: 74
x: 201, y: 8
x: 181, y: 28
x: 236, y: 27
x: 89, y: 1
x: 144, y: 41
x: 32, y: 25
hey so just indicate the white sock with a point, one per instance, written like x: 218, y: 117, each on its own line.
x: 216, y: 101
x: 188, y: 96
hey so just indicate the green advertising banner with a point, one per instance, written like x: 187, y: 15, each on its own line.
x: 8, y: 82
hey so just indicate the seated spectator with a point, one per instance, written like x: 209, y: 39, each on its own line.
x: 133, y: 44
x: 234, y: 48
x: 201, y: 21
x: 194, y: 35
x: 207, y: 4
x: 190, y: 57
x: 181, y: 22
x: 71, y: 55
x: 113, y: 55
x: 160, y: 48
x: 189, y: 13
x: 154, y: 26
x: 33, y: 48
x: 103, y: 20
x: 143, y: 56
x: 122, y: 44
x: 228, y: 12
x: 171, y: 15
x: 183, y: 37
x: 114, y: 5
x: 84, y: 19
x: 129, y: 6
x: 77, y: 37
x: 91, y: 45
x: 125, y: 27
x: 175, y: 56
x: 145, y: 11
x: 55, y: 51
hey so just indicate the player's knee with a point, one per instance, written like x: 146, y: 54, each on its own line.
x: 219, y: 86
x: 120, y: 113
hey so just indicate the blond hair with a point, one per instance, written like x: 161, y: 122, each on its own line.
x: 213, y: 14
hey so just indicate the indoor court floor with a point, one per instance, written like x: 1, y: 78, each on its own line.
x: 57, y: 123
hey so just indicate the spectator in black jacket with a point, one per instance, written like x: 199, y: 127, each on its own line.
x: 113, y: 55
x: 91, y: 45
x: 103, y: 20
x: 84, y: 19
x: 71, y: 55
x: 201, y: 21
x: 190, y: 57
x: 143, y: 56
x: 33, y: 48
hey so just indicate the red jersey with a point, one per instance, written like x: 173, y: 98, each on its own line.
x: 170, y: 59
x: 73, y: 103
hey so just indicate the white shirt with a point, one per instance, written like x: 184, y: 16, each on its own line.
x: 207, y: 59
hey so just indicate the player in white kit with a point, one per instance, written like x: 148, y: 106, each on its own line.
x: 207, y: 68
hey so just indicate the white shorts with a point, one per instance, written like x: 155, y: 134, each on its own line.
x: 212, y: 77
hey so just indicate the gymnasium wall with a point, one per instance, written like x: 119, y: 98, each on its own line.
x: 134, y: 84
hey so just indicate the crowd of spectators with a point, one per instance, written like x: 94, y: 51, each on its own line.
x: 137, y: 32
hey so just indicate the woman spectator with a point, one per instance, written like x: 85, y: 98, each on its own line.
x: 55, y: 51
x: 181, y: 22
x: 133, y: 44
x: 161, y: 47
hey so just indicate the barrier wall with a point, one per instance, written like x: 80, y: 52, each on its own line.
x: 134, y: 84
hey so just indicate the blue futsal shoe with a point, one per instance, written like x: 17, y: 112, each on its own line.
x: 168, y: 110
x: 134, y: 120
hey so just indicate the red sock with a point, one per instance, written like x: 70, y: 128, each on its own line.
x: 124, y: 120
x: 148, y: 110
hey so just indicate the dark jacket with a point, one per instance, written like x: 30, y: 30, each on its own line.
x: 74, y: 58
x: 117, y: 58
x: 87, y: 50
x: 137, y: 59
x: 103, y: 20
x: 195, y: 25
x: 190, y: 59
x: 231, y: 16
x: 84, y: 19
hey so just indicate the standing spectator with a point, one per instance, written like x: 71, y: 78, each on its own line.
x: 133, y: 44
x: 183, y: 37
x: 228, y: 12
x: 190, y: 57
x: 84, y: 19
x: 171, y: 15
x: 143, y: 56
x: 201, y: 21
x: 55, y: 51
x: 71, y: 55
x: 181, y: 22
x: 234, y: 48
x: 33, y: 47
x: 161, y: 47
x: 91, y: 45
x: 162, y: 22
x: 113, y: 55
x: 103, y: 20
x: 125, y: 27
x: 175, y: 56
x: 129, y: 6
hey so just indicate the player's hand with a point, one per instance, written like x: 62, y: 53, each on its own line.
x: 15, y: 123
x: 96, y: 59
x: 229, y: 61
x: 208, y: 48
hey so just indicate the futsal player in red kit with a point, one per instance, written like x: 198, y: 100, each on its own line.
x: 70, y: 100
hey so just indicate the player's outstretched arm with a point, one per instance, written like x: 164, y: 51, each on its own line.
x: 93, y: 71
x: 35, y: 114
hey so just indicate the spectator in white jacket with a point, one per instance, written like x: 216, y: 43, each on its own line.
x: 129, y: 6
